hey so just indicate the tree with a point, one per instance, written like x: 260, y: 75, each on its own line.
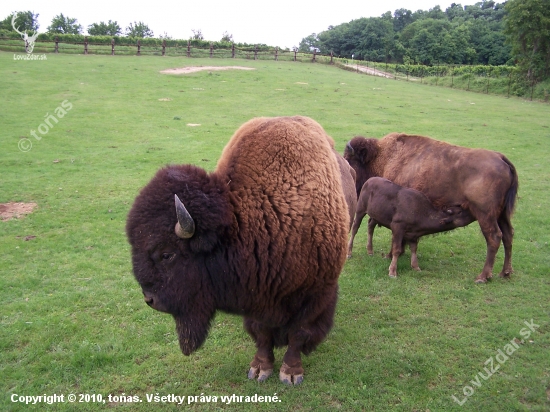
x: 401, y: 19
x: 197, y: 34
x: 527, y: 27
x: 24, y: 21
x: 138, y: 29
x: 104, y: 29
x: 227, y: 37
x: 64, y: 25
x: 309, y: 43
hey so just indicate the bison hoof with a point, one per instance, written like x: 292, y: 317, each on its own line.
x: 349, y: 255
x: 260, y: 374
x: 505, y: 275
x: 291, y: 376
x: 481, y: 279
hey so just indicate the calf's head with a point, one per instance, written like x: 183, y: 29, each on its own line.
x: 178, y: 221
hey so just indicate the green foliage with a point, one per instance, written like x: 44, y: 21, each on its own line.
x: 24, y: 21
x: 111, y: 28
x: 527, y: 26
x: 458, y: 35
x: 64, y: 25
x: 138, y: 29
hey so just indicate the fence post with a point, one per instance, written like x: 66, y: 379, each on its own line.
x: 56, y: 44
x: 112, y: 47
x: 295, y: 51
x: 255, y: 52
x: 232, y: 50
x: 85, y: 45
x: 188, y: 48
x: 211, y: 50
x: 314, y: 51
x: 276, y: 53
x: 139, y: 47
x: 509, y: 83
x: 331, y: 57
x: 487, y: 91
x: 164, y: 47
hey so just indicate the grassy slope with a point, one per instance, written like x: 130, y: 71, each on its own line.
x: 73, y: 319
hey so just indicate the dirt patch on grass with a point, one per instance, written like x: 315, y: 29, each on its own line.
x: 14, y: 210
x: 194, y: 69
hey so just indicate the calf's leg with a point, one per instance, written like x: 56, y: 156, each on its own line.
x: 413, y: 244
x: 356, y: 223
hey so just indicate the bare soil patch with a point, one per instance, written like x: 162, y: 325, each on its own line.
x: 14, y: 210
x: 193, y: 69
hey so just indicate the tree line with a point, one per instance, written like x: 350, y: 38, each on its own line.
x: 487, y: 33
x: 60, y: 24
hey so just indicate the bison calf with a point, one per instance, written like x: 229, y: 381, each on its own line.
x: 407, y: 212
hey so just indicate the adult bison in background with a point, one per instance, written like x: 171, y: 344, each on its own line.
x: 263, y: 236
x: 483, y: 182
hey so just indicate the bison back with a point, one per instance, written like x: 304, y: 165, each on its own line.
x: 287, y: 194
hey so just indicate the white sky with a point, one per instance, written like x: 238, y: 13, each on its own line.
x: 282, y: 23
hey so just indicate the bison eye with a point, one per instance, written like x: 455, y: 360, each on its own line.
x: 168, y: 256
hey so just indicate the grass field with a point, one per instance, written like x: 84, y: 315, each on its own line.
x: 74, y: 321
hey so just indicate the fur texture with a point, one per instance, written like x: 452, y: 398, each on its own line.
x: 483, y: 182
x: 270, y: 236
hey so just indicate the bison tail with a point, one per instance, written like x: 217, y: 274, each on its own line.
x: 510, y: 200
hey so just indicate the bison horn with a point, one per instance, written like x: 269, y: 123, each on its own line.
x: 185, y: 228
x: 349, y: 148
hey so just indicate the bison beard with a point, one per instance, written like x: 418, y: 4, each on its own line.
x: 263, y: 236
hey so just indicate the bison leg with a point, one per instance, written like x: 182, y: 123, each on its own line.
x: 493, y: 237
x: 397, y: 247
x: 372, y: 225
x: 356, y: 223
x: 507, y: 238
x: 261, y: 366
x: 413, y: 244
x: 306, y: 335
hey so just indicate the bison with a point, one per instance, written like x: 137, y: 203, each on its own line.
x: 262, y: 236
x: 407, y: 212
x: 482, y: 182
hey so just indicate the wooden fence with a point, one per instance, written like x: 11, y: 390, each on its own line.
x: 138, y: 49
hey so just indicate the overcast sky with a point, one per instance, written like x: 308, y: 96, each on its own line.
x: 282, y: 23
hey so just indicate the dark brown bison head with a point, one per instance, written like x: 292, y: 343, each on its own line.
x: 176, y: 246
x: 360, y: 153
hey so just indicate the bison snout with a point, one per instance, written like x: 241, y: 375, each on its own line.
x: 149, y: 299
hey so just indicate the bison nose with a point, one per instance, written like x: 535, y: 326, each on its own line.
x: 148, y: 299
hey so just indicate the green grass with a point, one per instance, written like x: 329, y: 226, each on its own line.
x: 73, y: 318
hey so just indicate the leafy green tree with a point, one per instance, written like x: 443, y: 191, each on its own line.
x: 64, y: 25
x: 527, y: 27
x: 138, y: 29
x: 197, y: 34
x: 111, y: 28
x: 24, y: 21
x: 309, y: 43
x: 227, y: 37
x: 401, y: 19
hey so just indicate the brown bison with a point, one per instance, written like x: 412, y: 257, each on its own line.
x: 263, y: 236
x: 407, y: 212
x: 483, y: 182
